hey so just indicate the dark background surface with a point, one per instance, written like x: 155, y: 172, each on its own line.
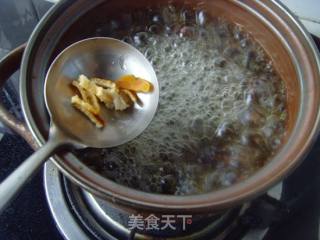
x: 28, y: 217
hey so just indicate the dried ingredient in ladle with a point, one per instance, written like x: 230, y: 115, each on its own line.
x: 118, y: 95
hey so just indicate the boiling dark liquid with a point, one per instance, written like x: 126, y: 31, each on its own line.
x: 221, y: 113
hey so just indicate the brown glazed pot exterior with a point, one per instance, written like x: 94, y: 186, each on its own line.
x: 282, y: 36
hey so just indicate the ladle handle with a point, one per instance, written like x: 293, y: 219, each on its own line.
x: 12, y: 185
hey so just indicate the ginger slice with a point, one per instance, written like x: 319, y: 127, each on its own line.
x: 132, y: 95
x: 120, y: 102
x: 118, y: 95
x: 85, y: 108
x: 88, y: 93
x: 81, y: 91
x: 130, y: 82
x: 108, y: 92
x: 104, y: 83
x: 86, y: 104
x: 103, y: 94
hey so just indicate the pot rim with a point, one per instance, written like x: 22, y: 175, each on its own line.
x: 285, y: 161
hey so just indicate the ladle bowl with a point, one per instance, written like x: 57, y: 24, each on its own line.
x: 95, y: 57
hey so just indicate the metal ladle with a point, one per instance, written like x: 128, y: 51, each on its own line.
x: 95, y: 57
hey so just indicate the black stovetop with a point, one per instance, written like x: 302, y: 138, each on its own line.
x: 28, y: 217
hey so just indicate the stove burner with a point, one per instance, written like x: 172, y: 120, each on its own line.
x: 94, y: 212
x: 80, y: 215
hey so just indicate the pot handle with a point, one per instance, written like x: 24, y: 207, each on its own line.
x: 9, y: 65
